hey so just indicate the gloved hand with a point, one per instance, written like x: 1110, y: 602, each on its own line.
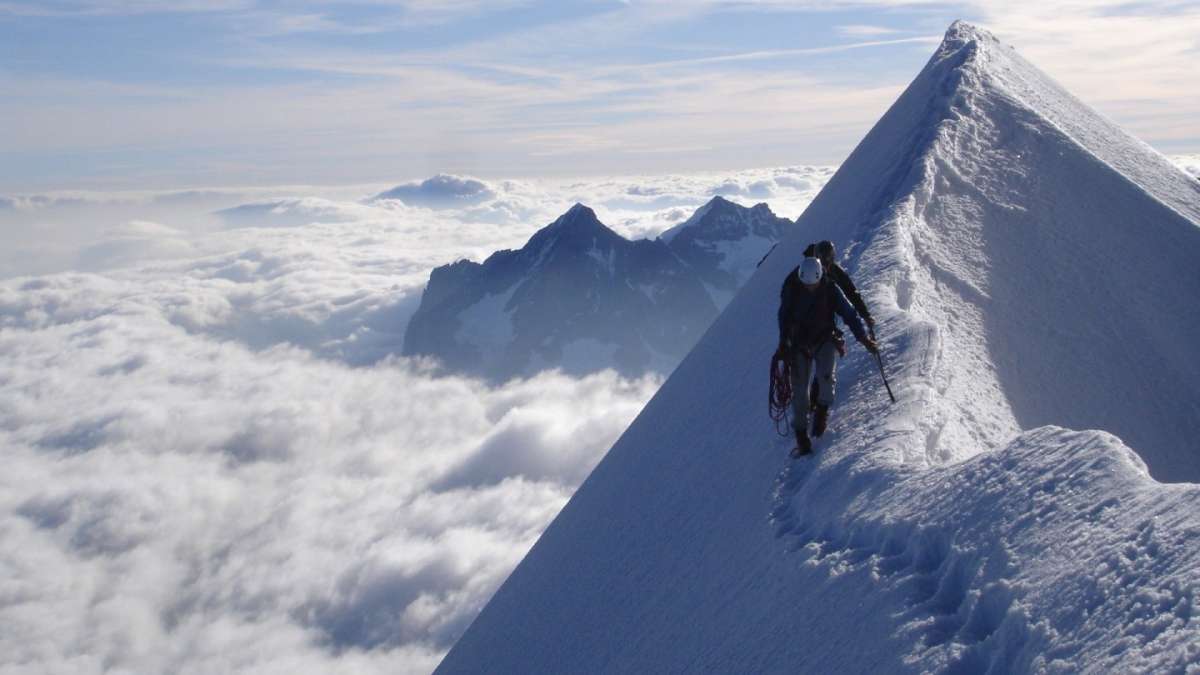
x: 870, y: 327
x: 871, y: 346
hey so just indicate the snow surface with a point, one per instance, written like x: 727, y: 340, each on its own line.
x: 607, y: 259
x: 1032, y: 268
x: 739, y: 259
x: 488, y: 324
x: 1189, y: 163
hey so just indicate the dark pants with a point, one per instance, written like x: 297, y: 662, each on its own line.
x: 823, y: 366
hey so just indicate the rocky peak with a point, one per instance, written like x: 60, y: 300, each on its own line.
x: 578, y: 228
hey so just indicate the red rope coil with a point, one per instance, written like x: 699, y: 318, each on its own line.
x: 779, y: 398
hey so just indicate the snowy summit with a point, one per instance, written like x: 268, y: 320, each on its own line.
x: 1028, y: 504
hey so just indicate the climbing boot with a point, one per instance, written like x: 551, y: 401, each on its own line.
x: 820, y: 420
x: 803, y: 444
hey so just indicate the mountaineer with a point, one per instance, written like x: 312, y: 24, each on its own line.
x: 809, y: 342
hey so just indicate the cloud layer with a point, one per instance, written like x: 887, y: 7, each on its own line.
x: 216, y: 463
x: 178, y: 503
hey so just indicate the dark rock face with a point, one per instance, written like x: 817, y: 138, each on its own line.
x: 580, y: 297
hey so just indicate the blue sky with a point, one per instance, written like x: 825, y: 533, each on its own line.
x: 137, y: 94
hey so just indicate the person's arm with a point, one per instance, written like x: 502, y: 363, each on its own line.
x: 847, y: 285
x: 850, y: 316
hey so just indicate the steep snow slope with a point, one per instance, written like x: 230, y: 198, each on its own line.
x: 1030, y: 265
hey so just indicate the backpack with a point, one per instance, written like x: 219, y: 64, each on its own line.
x: 809, y: 331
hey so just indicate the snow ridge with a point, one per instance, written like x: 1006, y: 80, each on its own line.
x: 959, y: 561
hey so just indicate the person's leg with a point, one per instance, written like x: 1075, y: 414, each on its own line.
x: 826, y: 373
x: 826, y: 379
x: 801, y: 373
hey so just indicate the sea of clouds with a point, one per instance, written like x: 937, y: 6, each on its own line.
x: 216, y: 461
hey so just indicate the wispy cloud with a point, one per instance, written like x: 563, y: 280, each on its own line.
x: 773, y: 54
x: 594, y: 86
x: 78, y: 8
x: 426, y: 110
x: 862, y: 30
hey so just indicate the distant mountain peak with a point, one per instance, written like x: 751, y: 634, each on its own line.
x: 696, y: 217
x: 579, y: 226
x: 714, y: 219
x: 577, y: 296
x: 718, y: 203
x: 440, y: 191
x: 577, y: 215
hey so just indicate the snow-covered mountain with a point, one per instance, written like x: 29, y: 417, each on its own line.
x: 1034, y: 272
x: 577, y: 296
x: 580, y: 297
x: 724, y: 242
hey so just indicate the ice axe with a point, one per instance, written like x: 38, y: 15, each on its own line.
x: 879, y: 360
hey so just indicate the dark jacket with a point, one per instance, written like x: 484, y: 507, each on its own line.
x: 806, y: 317
x: 842, y: 279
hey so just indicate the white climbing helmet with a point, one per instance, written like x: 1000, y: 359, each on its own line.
x: 810, y: 271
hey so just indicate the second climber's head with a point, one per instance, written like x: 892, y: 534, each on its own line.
x: 825, y: 253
